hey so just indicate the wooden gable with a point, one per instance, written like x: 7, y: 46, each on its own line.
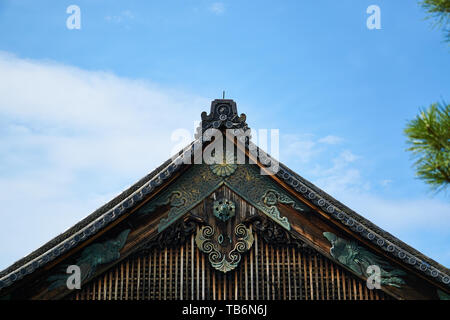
x: 226, y: 232
x: 277, y: 266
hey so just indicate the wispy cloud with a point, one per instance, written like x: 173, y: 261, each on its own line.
x: 72, y: 139
x: 331, y: 166
x: 217, y: 8
x: 125, y: 15
x: 299, y: 147
x: 419, y: 221
x: 341, y: 174
x: 330, y: 139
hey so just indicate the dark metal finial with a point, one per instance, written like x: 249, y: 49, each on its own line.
x: 223, y: 94
x: 223, y: 114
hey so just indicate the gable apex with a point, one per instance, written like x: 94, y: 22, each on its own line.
x: 223, y: 114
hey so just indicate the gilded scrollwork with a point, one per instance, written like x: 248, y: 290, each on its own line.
x: 272, y: 198
x: 200, y: 181
x: 224, y: 261
x: 262, y: 192
x: 189, y: 190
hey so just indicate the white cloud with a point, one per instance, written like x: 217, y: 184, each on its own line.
x: 302, y: 148
x: 401, y: 215
x: 72, y: 139
x: 345, y: 182
x: 121, y: 17
x: 320, y: 161
x: 419, y: 221
x: 345, y: 157
x: 128, y: 14
x: 386, y: 182
x: 330, y: 139
x: 217, y: 8
x: 341, y: 175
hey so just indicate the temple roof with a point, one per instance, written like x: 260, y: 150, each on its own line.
x: 223, y: 115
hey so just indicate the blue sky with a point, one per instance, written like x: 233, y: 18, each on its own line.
x: 86, y: 113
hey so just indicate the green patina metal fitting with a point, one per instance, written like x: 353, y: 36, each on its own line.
x: 442, y: 295
x: 90, y: 258
x: 358, y: 258
x: 223, y: 261
x: 224, y: 209
x: 188, y: 190
x: 200, y: 181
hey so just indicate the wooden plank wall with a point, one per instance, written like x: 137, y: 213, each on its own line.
x: 266, y: 272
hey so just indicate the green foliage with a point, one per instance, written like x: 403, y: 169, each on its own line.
x: 439, y: 10
x: 429, y: 139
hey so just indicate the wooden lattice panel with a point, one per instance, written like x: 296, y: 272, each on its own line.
x: 266, y: 272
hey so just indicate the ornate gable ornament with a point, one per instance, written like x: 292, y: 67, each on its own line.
x: 223, y: 114
x: 224, y: 240
x: 223, y: 237
x: 201, y: 180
